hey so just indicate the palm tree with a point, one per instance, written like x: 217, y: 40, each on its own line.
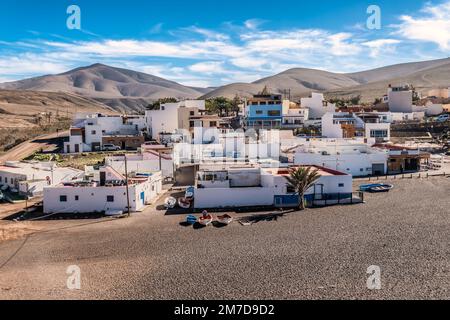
x: 301, y: 179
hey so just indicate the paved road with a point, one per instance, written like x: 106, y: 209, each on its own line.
x: 316, y: 254
x: 25, y: 149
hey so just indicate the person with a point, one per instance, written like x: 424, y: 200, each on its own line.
x: 205, y: 214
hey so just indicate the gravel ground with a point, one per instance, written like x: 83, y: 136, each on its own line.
x: 316, y: 254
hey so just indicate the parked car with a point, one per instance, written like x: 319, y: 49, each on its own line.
x: 111, y: 147
x: 443, y: 118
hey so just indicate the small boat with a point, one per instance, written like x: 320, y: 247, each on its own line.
x: 381, y: 188
x: 190, y: 219
x: 184, y: 203
x: 4, y: 188
x: 1, y: 196
x: 206, y: 219
x: 170, y: 202
x: 189, y: 193
x: 14, y: 190
x: 225, y: 219
x: 368, y: 187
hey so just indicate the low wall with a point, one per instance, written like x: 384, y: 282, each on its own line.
x: 233, y: 197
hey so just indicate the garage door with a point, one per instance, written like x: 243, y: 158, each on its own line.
x: 378, y: 169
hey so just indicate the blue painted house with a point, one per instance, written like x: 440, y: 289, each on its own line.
x: 264, y: 111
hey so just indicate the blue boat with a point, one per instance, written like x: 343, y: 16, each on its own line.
x: 376, y: 187
x: 189, y: 193
x: 191, y: 219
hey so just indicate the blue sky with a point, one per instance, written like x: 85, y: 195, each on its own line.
x: 210, y: 43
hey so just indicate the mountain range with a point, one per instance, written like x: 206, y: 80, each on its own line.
x: 130, y: 91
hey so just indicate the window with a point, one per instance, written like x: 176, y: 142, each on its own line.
x: 290, y: 189
x: 62, y: 198
x: 191, y: 124
x: 362, y: 169
x: 341, y: 185
x: 77, y: 198
x: 378, y: 133
x: 259, y: 112
x: 213, y: 124
x: 192, y: 113
x: 1, y: 179
x: 274, y: 113
x: 110, y: 198
x: 254, y: 103
x: 93, y: 132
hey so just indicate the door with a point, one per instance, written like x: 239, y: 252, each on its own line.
x: 77, y: 148
x: 123, y: 145
x: 68, y: 149
x: 143, y: 198
x: 318, y: 192
x: 378, y: 169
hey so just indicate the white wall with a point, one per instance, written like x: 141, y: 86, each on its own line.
x: 354, y: 164
x: 400, y: 101
x: 316, y: 105
x: 233, y: 197
x: 94, y: 199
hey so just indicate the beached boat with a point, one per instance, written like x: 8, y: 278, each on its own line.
x: 369, y: 187
x: 184, y: 203
x: 4, y: 188
x: 190, y: 219
x: 170, y: 202
x: 189, y: 193
x: 206, y: 219
x: 1, y: 196
x: 381, y: 188
x: 225, y: 219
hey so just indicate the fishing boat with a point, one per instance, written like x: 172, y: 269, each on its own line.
x: 206, y: 219
x: 189, y: 193
x: 368, y: 187
x: 225, y: 219
x: 190, y: 219
x: 381, y: 188
x: 184, y: 203
x: 170, y: 202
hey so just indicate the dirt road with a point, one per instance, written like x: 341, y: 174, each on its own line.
x: 25, y: 149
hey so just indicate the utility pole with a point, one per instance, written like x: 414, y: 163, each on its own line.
x: 126, y: 181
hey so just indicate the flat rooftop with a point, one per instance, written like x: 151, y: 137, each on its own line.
x: 321, y: 170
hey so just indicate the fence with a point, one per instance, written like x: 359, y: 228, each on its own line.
x: 336, y: 199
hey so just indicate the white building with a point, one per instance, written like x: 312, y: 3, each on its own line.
x: 106, y: 195
x: 172, y: 116
x: 250, y: 186
x: 349, y: 125
x: 351, y: 156
x: 147, y: 161
x: 295, y: 117
x: 90, y: 132
x: 400, y: 99
x: 317, y: 105
x: 30, y: 178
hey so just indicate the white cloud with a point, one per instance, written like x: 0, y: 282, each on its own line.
x: 253, y: 24
x: 434, y: 26
x: 381, y: 45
